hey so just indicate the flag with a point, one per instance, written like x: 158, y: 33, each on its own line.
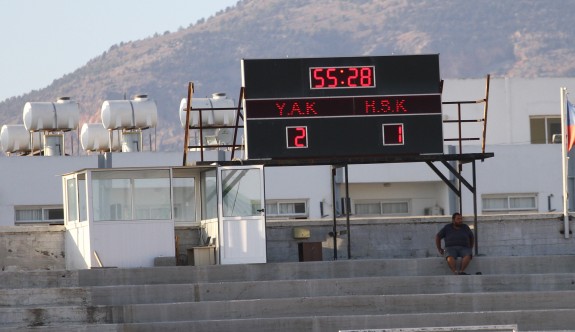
x: 570, y: 126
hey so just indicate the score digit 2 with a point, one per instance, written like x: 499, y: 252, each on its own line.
x: 296, y: 137
x: 393, y: 134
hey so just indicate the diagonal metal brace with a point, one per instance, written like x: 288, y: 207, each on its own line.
x: 458, y: 176
x: 446, y: 180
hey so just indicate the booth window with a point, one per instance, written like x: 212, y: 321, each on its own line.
x: 82, y: 205
x: 72, y: 196
x: 184, y: 189
x: 209, y: 195
x: 131, y: 195
x: 241, y: 194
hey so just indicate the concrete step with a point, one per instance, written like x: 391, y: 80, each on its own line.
x: 555, y: 320
x: 292, y: 307
x: 435, y: 266
x: 38, y: 279
x: 134, y: 294
x: 21, y: 297
x: 324, y: 270
x: 223, y: 291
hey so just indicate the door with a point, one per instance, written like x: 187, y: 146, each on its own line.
x: 242, y: 231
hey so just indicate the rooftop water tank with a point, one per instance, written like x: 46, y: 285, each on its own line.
x: 94, y: 137
x: 209, y: 118
x: 15, y: 138
x: 131, y: 141
x: 64, y: 114
x: 139, y: 113
x: 53, y: 145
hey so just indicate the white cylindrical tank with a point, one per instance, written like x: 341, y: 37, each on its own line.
x: 129, y: 114
x: 53, y: 145
x: 94, y: 137
x: 61, y: 115
x: 131, y: 141
x: 211, y: 117
x: 15, y: 138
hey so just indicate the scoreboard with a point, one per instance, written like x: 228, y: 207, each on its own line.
x: 342, y: 107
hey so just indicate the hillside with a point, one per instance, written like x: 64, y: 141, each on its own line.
x: 502, y: 38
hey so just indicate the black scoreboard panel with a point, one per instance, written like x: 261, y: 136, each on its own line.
x: 337, y: 137
x: 337, y: 107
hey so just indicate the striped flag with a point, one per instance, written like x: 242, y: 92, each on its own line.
x: 570, y: 126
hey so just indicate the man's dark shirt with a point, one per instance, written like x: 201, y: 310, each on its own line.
x: 456, y: 237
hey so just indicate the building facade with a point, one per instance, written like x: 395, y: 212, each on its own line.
x: 524, y: 176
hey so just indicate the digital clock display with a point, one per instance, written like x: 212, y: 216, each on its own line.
x: 342, y: 77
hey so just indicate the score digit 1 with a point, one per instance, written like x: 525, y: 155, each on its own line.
x: 393, y: 134
x: 296, y: 137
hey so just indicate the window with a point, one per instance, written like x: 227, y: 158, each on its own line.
x: 152, y: 198
x: 287, y: 208
x: 509, y: 202
x: 72, y: 195
x: 38, y: 214
x: 209, y: 192
x: 543, y: 128
x: 241, y: 192
x: 184, y: 189
x: 385, y: 207
x: 82, y: 197
x: 131, y: 195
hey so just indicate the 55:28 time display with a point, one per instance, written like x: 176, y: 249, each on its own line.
x: 342, y: 77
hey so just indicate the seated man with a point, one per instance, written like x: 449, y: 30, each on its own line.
x: 459, y: 242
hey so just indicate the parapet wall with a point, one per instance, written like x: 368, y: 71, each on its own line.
x: 42, y: 247
x: 414, y: 237
x: 32, y: 248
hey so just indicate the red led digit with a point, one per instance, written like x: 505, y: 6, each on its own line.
x: 393, y: 134
x: 299, y: 140
x: 319, y: 81
x: 352, y: 77
x: 366, y: 76
x: 329, y: 73
x: 296, y: 137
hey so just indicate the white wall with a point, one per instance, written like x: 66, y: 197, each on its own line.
x: 35, y: 181
x: 132, y: 244
x: 526, y: 168
x: 396, y: 172
x: 420, y: 195
x: 301, y: 182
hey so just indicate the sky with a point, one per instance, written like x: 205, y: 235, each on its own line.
x: 42, y: 40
